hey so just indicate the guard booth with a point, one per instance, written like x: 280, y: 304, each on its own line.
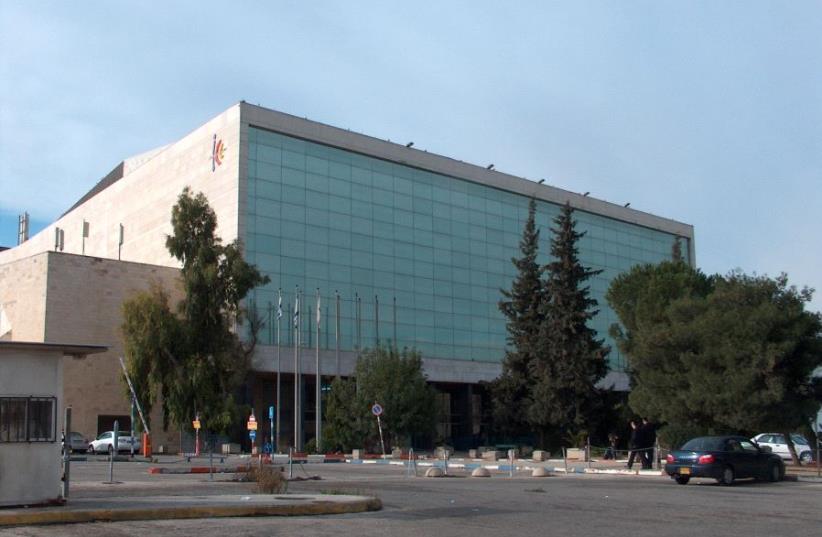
x: 31, y: 411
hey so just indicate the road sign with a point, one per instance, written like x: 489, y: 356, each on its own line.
x: 252, y: 435
x: 196, y: 424
x: 271, y: 412
x: 252, y: 423
x: 376, y: 409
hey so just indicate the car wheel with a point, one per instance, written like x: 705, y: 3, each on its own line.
x: 774, y: 473
x: 682, y: 479
x: 806, y: 457
x: 110, y: 449
x: 727, y: 476
x: 91, y: 449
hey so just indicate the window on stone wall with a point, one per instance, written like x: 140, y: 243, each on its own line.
x: 28, y: 419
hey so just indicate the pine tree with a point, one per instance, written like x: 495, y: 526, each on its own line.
x: 718, y: 354
x: 569, y: 359
x: 521, y: 307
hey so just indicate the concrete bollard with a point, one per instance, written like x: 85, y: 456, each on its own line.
x: 434, y: 472
x: 540, y: 471
x: 481, y: 472
x: 357, y: 454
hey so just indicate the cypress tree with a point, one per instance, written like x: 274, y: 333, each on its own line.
x: 569, y: 359
x: 521, y: 306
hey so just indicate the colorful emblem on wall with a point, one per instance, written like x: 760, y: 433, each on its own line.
x: 217, y: 153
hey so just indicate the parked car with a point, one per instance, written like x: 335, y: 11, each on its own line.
x: 76, y: 442
x: 105, y: 443
x: 724, y: 458
x: 776, y: 441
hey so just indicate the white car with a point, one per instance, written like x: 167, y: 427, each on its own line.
x: 776, y: 441
x: 105, y: 443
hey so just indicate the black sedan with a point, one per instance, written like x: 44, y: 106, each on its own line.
x: 724, y: 458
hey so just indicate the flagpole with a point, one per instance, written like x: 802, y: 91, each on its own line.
x: 377, y: 320
x: 357, y: 319
x: 337, y: 333
x: 279, y: 369
x: 318, y: 387
x: 394, y: 311
x: 295, y: 323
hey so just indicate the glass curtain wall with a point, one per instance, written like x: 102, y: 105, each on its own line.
x: 416, y: 257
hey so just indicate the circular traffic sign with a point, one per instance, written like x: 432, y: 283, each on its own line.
x: 376, y: 409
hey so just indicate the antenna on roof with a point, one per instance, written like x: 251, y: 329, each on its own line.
x: 22, y: 228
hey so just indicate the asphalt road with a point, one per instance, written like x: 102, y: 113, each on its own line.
x: 575, y: 505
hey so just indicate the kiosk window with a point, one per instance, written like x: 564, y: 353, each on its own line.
x: 28, y: 419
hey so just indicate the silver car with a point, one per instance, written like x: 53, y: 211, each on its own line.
x: 776, y: 441
x: 105, y: 443
x: 77, y: 443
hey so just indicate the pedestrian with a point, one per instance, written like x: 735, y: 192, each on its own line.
x: 647, y: 437
x: 632, y: 444
x: 610, y: 453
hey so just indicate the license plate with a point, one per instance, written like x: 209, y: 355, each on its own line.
x: 684, y: 471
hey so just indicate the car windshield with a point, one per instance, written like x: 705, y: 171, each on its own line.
x: 704, y: 443
x: 799, y: 439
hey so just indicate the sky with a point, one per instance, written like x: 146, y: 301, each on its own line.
x: 708, y: 113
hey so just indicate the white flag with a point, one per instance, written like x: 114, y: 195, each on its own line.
x: 280, y: 306
x: 318, y: 308
x: 297, y: 312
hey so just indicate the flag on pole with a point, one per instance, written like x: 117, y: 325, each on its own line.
x: 318, y: 308
x: 297, y: 312
x: 279, y: 305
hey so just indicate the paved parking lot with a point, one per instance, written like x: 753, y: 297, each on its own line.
x: 584, y: 505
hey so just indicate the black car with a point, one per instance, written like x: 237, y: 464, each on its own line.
x: 724, y: 458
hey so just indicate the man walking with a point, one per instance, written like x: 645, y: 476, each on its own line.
x: 646, y: 439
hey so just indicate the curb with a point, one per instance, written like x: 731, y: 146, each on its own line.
x: 197, y: 470
x: 318, y: 507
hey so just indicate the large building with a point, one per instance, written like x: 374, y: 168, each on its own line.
x: 403, y: 246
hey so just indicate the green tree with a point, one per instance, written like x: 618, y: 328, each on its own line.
x: 391, y: 378
x: 570, y: 360
x: 737, y: 358
x: 191, y: 358
x: 347, y: 423
x: 640, y: 298
x: 396, y: 381
x: 521, y: 306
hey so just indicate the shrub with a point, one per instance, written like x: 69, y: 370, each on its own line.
x: 269, y: 480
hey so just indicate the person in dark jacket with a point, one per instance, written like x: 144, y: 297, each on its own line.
x: 611, y: 452
x: 646, y: 434
x: 632, y: 444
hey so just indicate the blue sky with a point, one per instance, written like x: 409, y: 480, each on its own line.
x: 709, y: 113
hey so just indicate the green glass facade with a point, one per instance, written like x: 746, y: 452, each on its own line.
x: 416, y: 257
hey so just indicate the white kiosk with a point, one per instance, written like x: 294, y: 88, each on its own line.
x: 31, y: 411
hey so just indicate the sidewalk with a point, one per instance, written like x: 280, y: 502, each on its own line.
x: 114, y: 509
x: 558, y: 466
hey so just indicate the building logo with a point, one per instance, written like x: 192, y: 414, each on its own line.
x: 217, y: 153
